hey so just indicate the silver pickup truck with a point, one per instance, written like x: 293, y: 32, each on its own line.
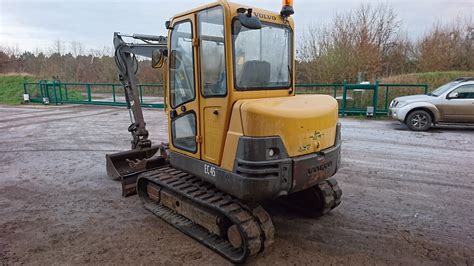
x: 450, y: 103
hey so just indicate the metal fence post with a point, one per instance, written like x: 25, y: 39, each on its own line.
x: 55, y: 93
x: 42, y: 88
x: 376, y: 96
x: 89, y: 96
x: 344, y: 97
x: 386, y: 98
x: 60, y: 92
x: 141, y: 93
x: 46, y: 90
x: 65, y: 92
x: 113, y: 92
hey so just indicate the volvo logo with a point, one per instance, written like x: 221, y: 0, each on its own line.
x: 265, y: 16
x: 318, y: 169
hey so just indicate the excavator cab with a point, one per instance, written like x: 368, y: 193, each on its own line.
x: 238, y: 133
x: 234, y: 119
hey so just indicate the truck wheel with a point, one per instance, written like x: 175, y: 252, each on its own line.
x: 418, y: 120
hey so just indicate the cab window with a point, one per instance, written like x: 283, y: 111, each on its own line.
x: 212, y: 52
x: 183, y: 130
x: 262, y: 58
x: 181, y: 64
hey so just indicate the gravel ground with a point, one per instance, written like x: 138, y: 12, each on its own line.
x: 408, y: 197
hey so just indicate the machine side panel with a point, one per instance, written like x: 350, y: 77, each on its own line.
x: 232, y: 138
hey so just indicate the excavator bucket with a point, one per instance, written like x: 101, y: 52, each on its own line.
x: 127, y: 165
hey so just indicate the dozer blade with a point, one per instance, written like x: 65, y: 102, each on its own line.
x: 127, y: 165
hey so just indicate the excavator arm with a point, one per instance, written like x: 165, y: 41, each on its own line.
x: 143, y: 156
x: 126, y: 60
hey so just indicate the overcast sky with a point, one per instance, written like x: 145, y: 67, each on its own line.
x: 36, y: 24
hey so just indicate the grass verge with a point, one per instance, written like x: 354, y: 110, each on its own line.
x: 11, y: 87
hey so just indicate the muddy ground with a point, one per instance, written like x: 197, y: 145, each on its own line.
x: 408, y: 197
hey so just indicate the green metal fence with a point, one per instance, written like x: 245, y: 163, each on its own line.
x: 355, y: 98
x: 56, y: 92
x: 352, y: 98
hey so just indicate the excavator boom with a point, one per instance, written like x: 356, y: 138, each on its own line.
x: 127, y: 165
x: 126, y: 60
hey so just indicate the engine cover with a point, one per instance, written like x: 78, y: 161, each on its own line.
x: 305, y: 123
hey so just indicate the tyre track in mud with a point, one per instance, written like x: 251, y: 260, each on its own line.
x: 56, y: 118
x: 37, y: 113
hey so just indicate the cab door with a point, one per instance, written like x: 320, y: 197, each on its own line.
x: 183, y: 115
x: 213, y: 76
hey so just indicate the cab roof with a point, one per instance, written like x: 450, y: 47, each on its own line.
x: 233, y: 7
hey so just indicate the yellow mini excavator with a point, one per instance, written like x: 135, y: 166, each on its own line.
x: 238, y: 134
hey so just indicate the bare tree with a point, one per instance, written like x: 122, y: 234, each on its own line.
x: 76, y: 48
x: 58, y: 47
x: 447, y: 47
x: 360, y: 41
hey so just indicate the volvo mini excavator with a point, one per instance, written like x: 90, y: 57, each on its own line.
x: 238, y: 134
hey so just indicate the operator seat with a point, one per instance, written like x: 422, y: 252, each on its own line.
x: 255, y: 73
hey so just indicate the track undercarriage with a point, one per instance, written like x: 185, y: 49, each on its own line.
x: 235, y: 230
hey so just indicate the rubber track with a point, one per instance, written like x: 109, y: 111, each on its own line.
x: 331, y: 194
x: 327, y: 192
x: 336, y: 191
x: 254, y: 225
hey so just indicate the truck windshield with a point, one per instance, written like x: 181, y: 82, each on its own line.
x: 262, y: 58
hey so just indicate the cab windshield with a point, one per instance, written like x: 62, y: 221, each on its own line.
x: 262, y: 58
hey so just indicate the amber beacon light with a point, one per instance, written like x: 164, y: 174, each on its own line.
x: 287, y: 9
